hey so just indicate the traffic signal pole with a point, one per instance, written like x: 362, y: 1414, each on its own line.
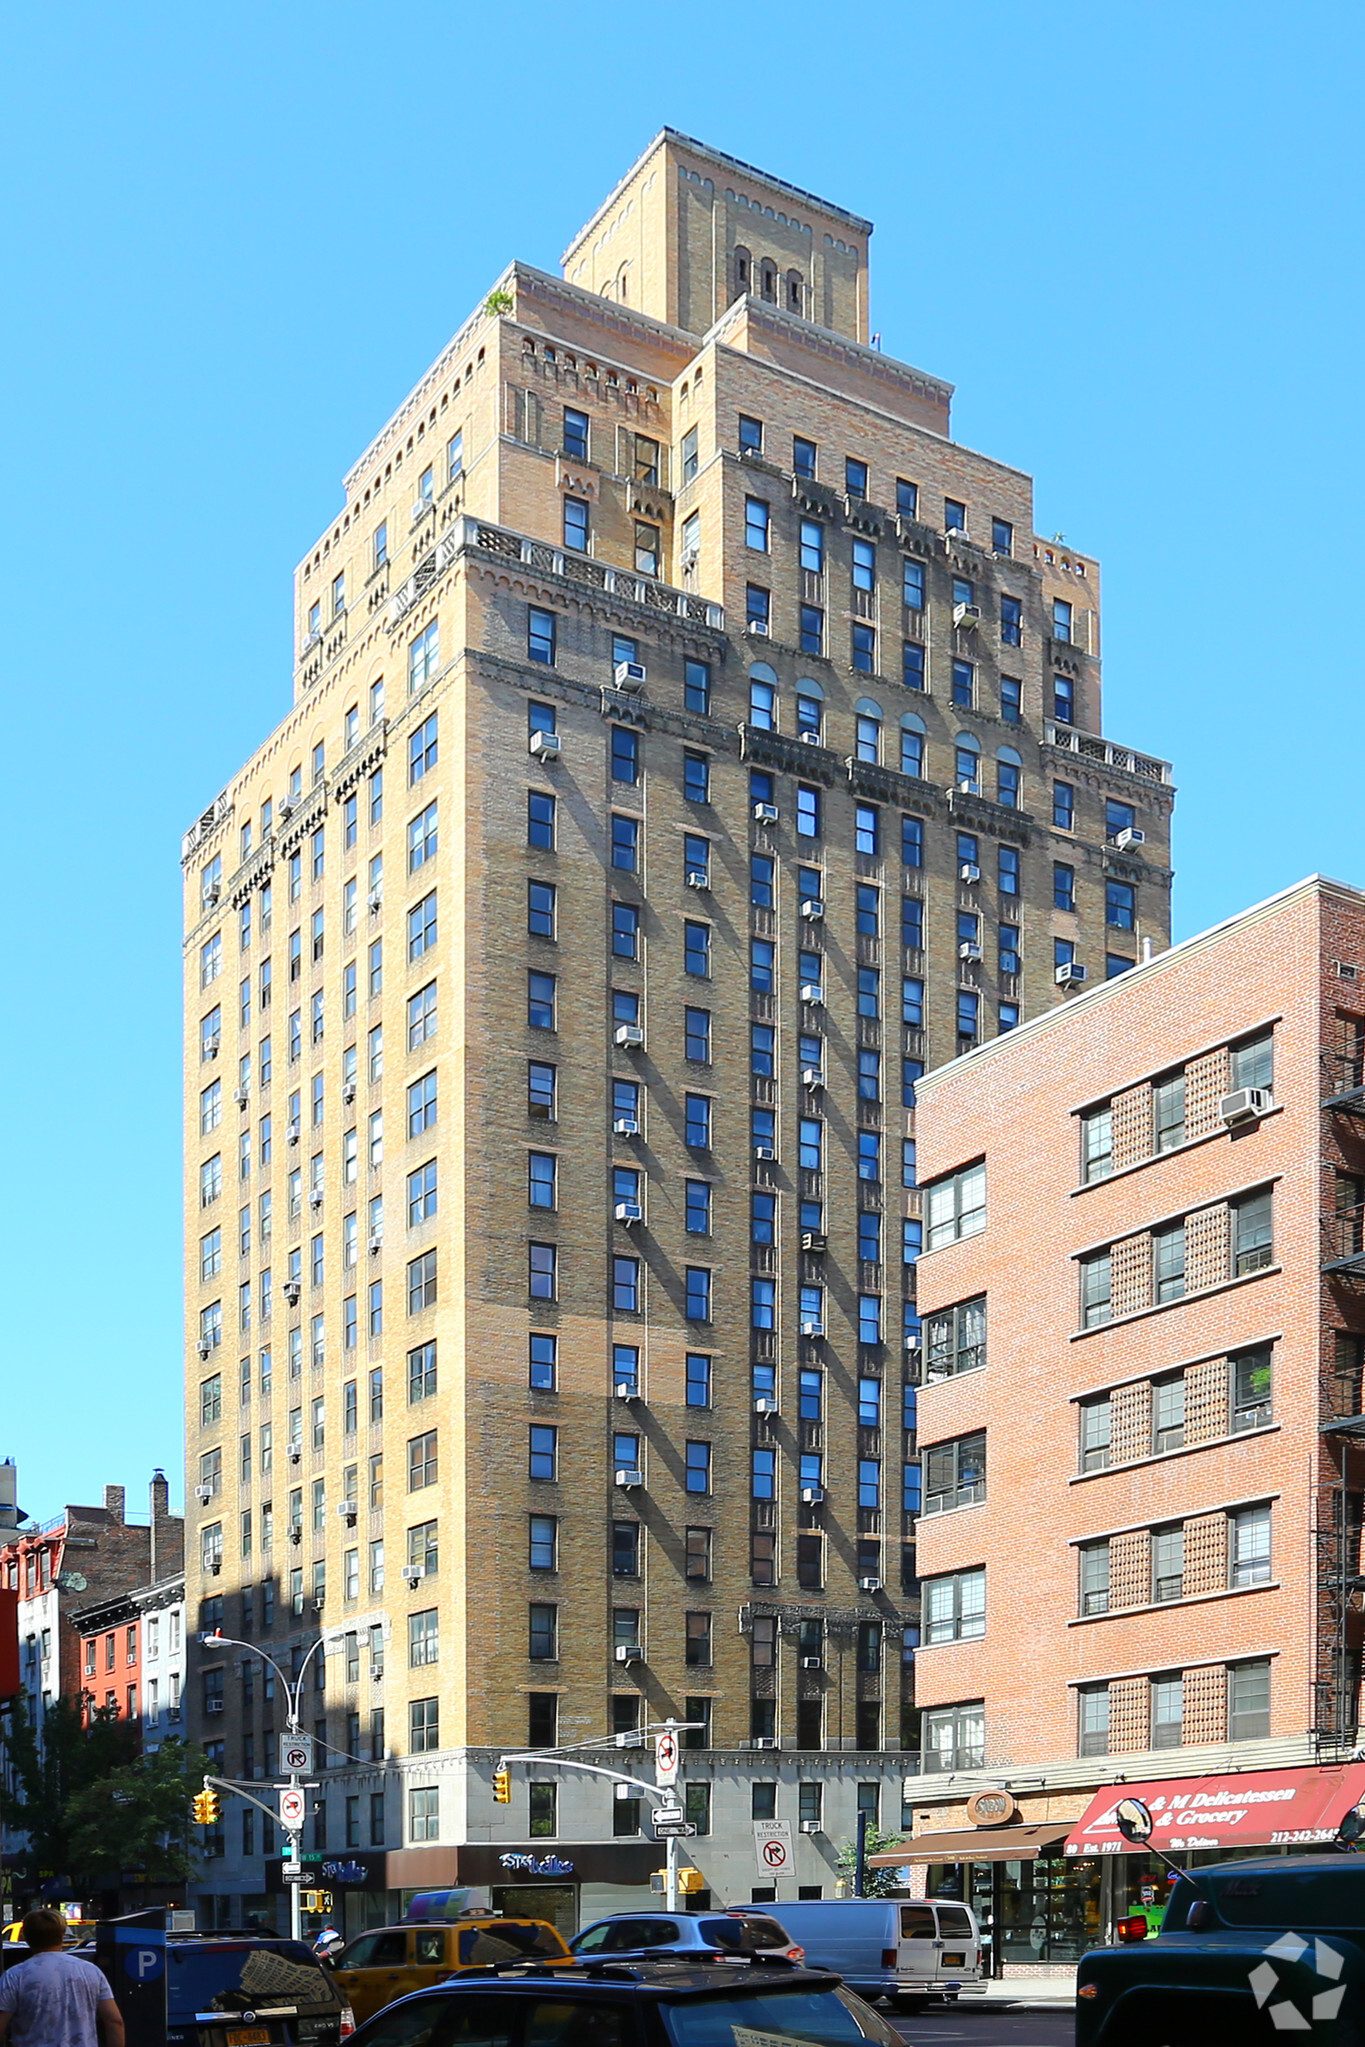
x: 667, y: 1757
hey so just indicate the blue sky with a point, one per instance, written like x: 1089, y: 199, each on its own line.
x: 1129, y: 234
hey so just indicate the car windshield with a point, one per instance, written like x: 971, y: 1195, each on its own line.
x: 507, y: 1941
x: 771, y: 2018
x: 212, y: 1978
x: 1288, y: 1897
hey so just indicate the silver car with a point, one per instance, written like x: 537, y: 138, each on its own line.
x: 686, y: 1933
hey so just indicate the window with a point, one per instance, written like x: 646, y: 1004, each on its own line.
x: 1252, y: 1063
x: 625, y: 756
x: 625, y: 1285
x: 855, y: 477
x: 697, y: 1298
x: 540, y: 636
x: 542, y: 1274
x: 542, y: 1363
x: 750, y: 435
x: 955, y: 1473
x: 543, y: 1452
x: 863, y: 649
x: 542, y: 1633
x: 1252, y: 1249
x: 697, y: 686
x: 424, y: 656
x: 1061, y: 619
x: 1097, y: 1144
x: 866, y: 829
x: 1168, y: 1414
x: 955, y: 1737
x: 1093, y: 1720
x: 625, y: 1549
x: 1063, y: 806
x: 1168, y: 1262
x: 697, y: 777
x: 1167, y: 1705
x: 576, y: 533
x: 756, y: 523
x: 1249, y: 1700
x: 575, y: 434
x: 1249, y: 1547
x: 1120, y: 901
x: 1249, y: 1389
x: 957, y: 1206
x: 698, y: 1468
x: 955, y: 1607
x: 423, y: 1641
x: 757, y: 607
x: 698, y: 1208
x: 697, y: 949
x: 864, y: 565
x: 541, y: 1167
x: 540, y: 1001
x: 1095, y: 1290
x: 1007, y: 779
x: 763, y: 1474
x: 689, y: 462
x: 955, y: 1339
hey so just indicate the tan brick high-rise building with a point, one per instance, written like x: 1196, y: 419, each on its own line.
x: 690, y: 741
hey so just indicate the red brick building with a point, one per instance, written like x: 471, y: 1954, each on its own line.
x: 1142, y: 1308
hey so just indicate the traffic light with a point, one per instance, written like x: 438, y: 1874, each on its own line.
x: 691, y: 1880
x: 207, y: 1808
x: 502, y: 1787
x: 315, y: 1901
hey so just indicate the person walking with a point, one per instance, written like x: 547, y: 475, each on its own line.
x: 54, y: 1999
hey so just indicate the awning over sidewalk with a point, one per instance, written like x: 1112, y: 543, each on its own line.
x: 1246, y: 1809
x: 976, y: 1844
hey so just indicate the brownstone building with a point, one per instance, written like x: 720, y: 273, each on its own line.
x: 690, y: 741
x: 1139, y: 1419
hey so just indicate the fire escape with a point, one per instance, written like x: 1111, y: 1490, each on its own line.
x: 1340, y: 1501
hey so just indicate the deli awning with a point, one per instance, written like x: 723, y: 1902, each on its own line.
x: 1245, y: 1809
x: 976, y: 1844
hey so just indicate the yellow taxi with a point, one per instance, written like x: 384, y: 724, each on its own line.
x: 389, y: 1961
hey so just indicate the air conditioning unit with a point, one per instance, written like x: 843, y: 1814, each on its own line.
x: 766, y: 1403
x: 812, y: 1328
x: 422, y: 507
x: 348, y: 1091
x: 813, y: 1240
x: 969, y: 871
x: 626, y: 1126
x: 969, y: 950
x: 216, y: 1564
x: 203, y: 1493
x: 376, y: 900
x: 1130, y: 836
x: 624, y: 1390
x: 766, y: 813
x: 869, y: 1584
x: 315, y: 1198
x: 811, y: 991
x: 812, y: 1663
x: 764, y: 1151
x: 412, y: 1574
x: 241, y: 1096
x: 204, y: 1347
x: 291, y: 1292
x: 629, y: 1478
x: 810, y: 739
x: 811, y: 1826
x: 628, y: 1212
x: 209, y: 1048
x: 294, y: 1452
x: 757, y: 626
x: 546, y: 746
x: 955, y: 533
x: 629, y: 1034
x: 630, y: 674
x: 812, y: 1076
x: 296, y: 1536
x: 348, y: 1510
x: 213, y: 1705
x: 211, y: 895
x: 1070, y: 975
x: 762, y: 1741
x: 314, y: 639
x: 689, y: 558
x: 629, y: 1652
x: 812, y: 909
x: 697, y: 877
x: 376, y: 1244
x: 966, y: 617
x: 292, y: 1133
x: 912, y: 1346
x: 287, y: 802
x: 968, y: 788
x: 812, y: 1495
x: 1245, y: 1105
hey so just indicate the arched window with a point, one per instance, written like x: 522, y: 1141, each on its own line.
x: 810, y: 707
x: 763, y: 697
x: 868, y: 730
x: 767, y: 281
x: 622, y: 276
x: 912, y: 744
x: 796, y: 292
x: 743, y: 271
x: 1007, y: 777
x: 967, y: 764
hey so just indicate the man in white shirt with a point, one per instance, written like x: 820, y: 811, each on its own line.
x: 54, y: 1999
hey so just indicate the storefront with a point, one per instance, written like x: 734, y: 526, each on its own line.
x: 1033, y: 1906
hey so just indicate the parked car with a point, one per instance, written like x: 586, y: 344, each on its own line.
x: 670, y: 2003
x: 682, y: 1933
x: 390, y: 1961
x: 907, y: 1949
x: 248, y: 1990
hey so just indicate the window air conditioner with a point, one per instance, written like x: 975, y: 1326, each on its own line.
x: 955, y: 533
x: 213, y: 1705
x: 810, y: 1826
x: 969, y: 950
x: 546, y: 746
x: 291, y: 1292
x: 376, y: 900
x: 296, y: 1536
x: 376, y: 1243
x: 968, y: 788
x: 216, y: 1564
x: 869, y: 1584
x: 210, y: 1048
x: 912, y: 1346
x: 812, y: 1328
x: 812, y: 909
x: 1130, y: 836
x: 412, y: 1574
x: 292, y: 1133
x: 626, y: 1126
x: 629, y: 1652
x: 629, y: 1212
x: 422, y: 507
x: 757, y: 626
x: 966, y: 617
x: 629, y: 1034
x: 1070, y: 975
x: 812, y: 1076
x: 689, y: 558
x: 697, y: 877
x: 630, y: 674
x: 762, y: 1741
x: 203, y: 1493
x: 624, y: 1390
x: 629, y: 1478
x: 348, y: 1091
x: 764, y: 1151
x: 203, y: 1347
x: 287, y: 802
x: 294, y: 1452
x: 810, y: 739
x: 348, y: 1510
x: 765, y: 813
x: 766, y: 1404
x: 811, y: 991
x: 813, y: 1240
x: 812, y: 1495
x: 315, y: 1198
x: 1245, y: 1105
x: 969, y: 871
x: 241, y: 1096
x: 211, y: 895
x: 812, y: 1663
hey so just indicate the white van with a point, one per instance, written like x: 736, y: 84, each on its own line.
x: 909, y: 1948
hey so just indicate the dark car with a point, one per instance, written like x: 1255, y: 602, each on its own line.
x: 686, y: 1933
x: 633, y: 2004
x: 247, y: 1990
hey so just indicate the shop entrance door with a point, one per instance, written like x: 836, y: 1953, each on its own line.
x: 556, y: 1902
x: 1049, y: 1910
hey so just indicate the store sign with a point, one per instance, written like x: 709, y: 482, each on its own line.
x: 348, y: 1872
x: 537, y: 1865
x: 1248, y: 1809
x: 991, y: 1808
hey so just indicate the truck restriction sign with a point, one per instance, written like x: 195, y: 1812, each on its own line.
x: 296, y: 1754
x: 666, y: 1757
x: 292, y: 1808
x: 773, y: 1846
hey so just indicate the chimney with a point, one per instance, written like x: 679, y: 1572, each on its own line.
x: 164, y: 1553
x: 113, y: 1502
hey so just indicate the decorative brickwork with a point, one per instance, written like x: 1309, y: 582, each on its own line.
x: 1130, y: 1275
x: 1132, y: 1125
x: 1206, y: 1248
x: 1206, y: 1080
x: 1131, y: 1423
x: 1206, y: 1400
x: 1206, y: 1553
x: 1206, y: 1704
x: 1130, y: 1569
x: 1128, y: 1716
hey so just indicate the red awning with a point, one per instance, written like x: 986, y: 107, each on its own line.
x: 1246, y: 1809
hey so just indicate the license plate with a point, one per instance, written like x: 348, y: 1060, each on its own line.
x: 249, y: 2036
x: 949, y: 1962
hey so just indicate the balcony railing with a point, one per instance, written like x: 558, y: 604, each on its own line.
x: 1106, y: 754
x: 1343, y: 1240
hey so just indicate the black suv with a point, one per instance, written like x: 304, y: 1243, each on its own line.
x: 632, y: 2004
x: 247, y: 1990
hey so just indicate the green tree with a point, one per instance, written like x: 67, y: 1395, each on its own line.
x: 879, y: 1883
x: 138, y: 1817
